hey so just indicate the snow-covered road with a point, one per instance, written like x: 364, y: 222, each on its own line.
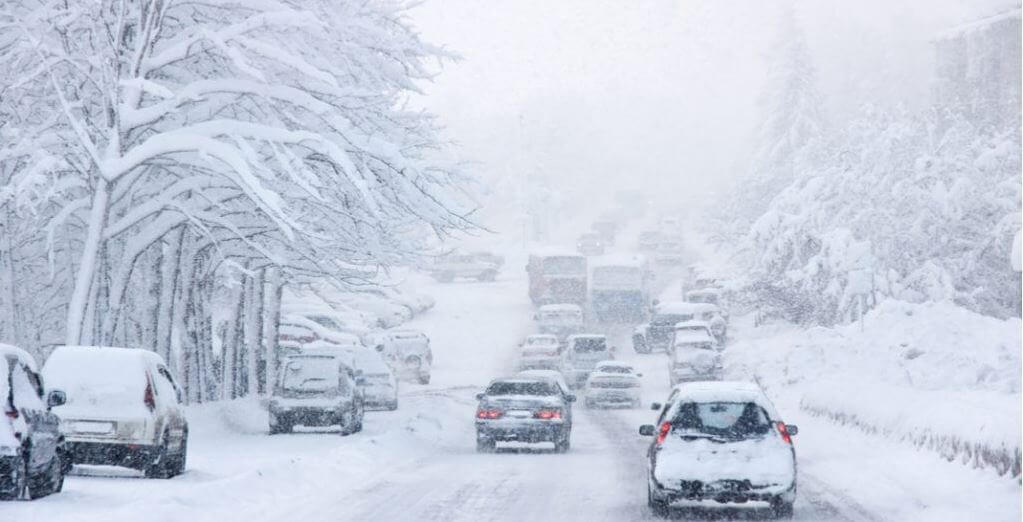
x: 420, y: 463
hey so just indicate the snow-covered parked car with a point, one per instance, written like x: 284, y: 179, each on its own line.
x: 481, y: 267
x: 561, y: 319
x: 590, y: 244
x: 33, y: 455
x: 649, y: 240
x: 408, y: 353
x: 122, y: 408
x: 523, y: 409
x: 694, y: 357
x: 669, y: 252
x: 540, y: 352
x: 580, y: 356
x: 721, y: 442
x: 613, y: 383
x: 378, y: 382
x: 316, y: 389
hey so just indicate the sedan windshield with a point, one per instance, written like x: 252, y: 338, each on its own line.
x: 521, y: 388
x: 727, y: 420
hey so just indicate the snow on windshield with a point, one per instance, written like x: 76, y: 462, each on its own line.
x: 310, y: 374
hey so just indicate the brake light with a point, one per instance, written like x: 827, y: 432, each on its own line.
x: 547, y: 414
x: 784, y: 433
x: 665, y: 428
x: 11, y: 413
x: 488, y: 414
x: 147, y: 397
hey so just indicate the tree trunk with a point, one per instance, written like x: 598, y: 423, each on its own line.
x: 87, y: 268
x: 271, y: 325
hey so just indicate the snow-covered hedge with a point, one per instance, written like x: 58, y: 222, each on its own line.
x: 935, y: 375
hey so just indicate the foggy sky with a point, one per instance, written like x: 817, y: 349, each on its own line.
x: 581, y: 95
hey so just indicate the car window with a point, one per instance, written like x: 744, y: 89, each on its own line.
x: 522, y: 388
x: 26, y: 389
x: 728, y: 420
x: 589, y: 345
x: 311, y: 374
x: 616, y: 369
x: 165, y: 384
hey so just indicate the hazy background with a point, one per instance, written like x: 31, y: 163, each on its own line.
x: 573, y: 99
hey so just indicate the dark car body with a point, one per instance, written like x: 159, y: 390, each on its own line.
x: 523, y: 409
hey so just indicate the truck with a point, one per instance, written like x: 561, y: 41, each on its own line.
x: 619, y: 288
x: 557, y: 277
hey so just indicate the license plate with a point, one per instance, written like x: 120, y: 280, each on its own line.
x: 520, y: 414
x: 93, y: 427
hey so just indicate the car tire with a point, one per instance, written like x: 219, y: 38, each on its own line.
x: 393, y: 405
x: 279, y: 425
x: 158, y: 467
x: 14, y: 488
x: 781, y: 509
x: 49, y: 482
x: 348, y: 422
x: 659, y: 509
x: 485, y: 444
x: 176, y: 465
x: 639, y: 345
x: 424, y: 379
x: 563, y: 444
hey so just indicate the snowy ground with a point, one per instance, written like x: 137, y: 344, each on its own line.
x: 419, y: 463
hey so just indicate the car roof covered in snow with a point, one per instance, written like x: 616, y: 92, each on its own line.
x: 612, y: 364
x: 637, y: 261
x: 554, y: 251
x: 705, y: 291
x: 692, y: 325
x: 8, y: 351
x: 683, y: 307
x: 586, y: 336
x: 692, y: 337
x: 724, y: 391
x: 561, y: 307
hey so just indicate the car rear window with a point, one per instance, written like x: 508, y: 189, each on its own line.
x: 521, y: 388
x: 671, y: 319
x: 727, y: 420
x: 311, y: 374
x: 589, y: 345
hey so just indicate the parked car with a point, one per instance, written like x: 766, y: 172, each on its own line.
x: 378, y: 382
x: 581, y: 354
x: 316, y: 390
x: 694, y: 357
x: 408, y: 353
x: 122, y: 408
x: 33, y: 454
x: 540, y: 352
x: 448, y: 267
x: 590, y: 244
x: 722, y: 442
x: 523, y: 409
x: 560, y: 319
x: 613, y: 383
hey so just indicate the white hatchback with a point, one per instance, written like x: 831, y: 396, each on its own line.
x: 612, y: 383
x: 721, y: 444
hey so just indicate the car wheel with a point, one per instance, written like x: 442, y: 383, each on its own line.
x: 15, y: 486
x: 782, y: 509
x: 48, y: 482
x: 176, y: 465
x: 157, y: 466
x: 348, y: 422
x: 424, y: 378
x: 485, y: 444
x: 393, y: 405
x: 660, y: 509
x: 563, y: 444
x: 280, y: 425
x: 639, y: 345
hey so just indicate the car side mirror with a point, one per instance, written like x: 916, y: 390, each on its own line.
x: 656, y: 406
x: 479, y: 396
x: 56, y: 398
x: 380, y: 348
x: 647, y: 430
x: 792, y: 429
x: 570, y: 397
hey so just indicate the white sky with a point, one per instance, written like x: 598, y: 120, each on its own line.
x: 585, y: 94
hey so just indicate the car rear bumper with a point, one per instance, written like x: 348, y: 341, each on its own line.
x: 128, y: 455
x: 737, y: 491
x: 612, y: 398
x: 521, y: 431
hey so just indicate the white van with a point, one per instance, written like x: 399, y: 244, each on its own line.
x: 122, y: 408
x: 581, y: 354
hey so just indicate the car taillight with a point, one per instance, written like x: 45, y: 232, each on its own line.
x: 784, y: 433
x: 11, y: 413
x: 147, y: 397
x: 488, y: 414
x: 548, y: 414
x: 663, y: 434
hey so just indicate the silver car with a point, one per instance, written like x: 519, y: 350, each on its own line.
x: 523, y: 409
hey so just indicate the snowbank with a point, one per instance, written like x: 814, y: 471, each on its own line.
x: 934, y: 375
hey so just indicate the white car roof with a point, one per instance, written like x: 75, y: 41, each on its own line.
x: 704, y: 291
x: 724, y: 391
x: 9, y: 350
x: 632, y: 261
x: 689, y: 325
x: 692, y: 336
x: 561, y: 307
x: 683, y: 307
x: 612, y: 363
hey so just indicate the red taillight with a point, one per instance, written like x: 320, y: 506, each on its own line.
x: 548, y: 414
x: 784, y: 433
x: 11, y: 414
x: 147, y: 397
x: 665, y: 428
x: 488, y: 414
